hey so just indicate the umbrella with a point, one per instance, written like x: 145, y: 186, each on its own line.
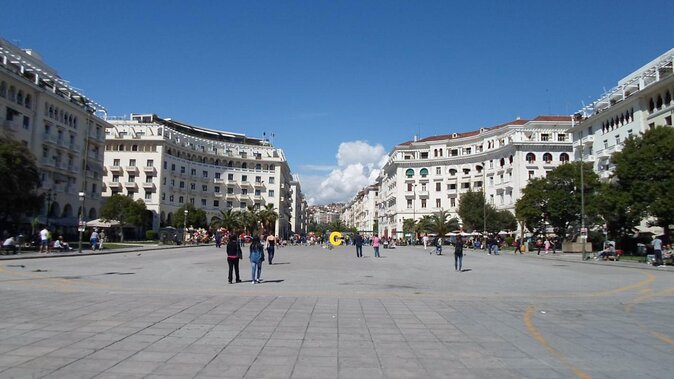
x: 100, y: 223
x: 476, y: 233
x: 451, y: 234
x: 464, y: 234
x: 503, y: 233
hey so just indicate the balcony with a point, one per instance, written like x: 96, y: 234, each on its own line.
x: 423, y: 194
x: 130, y: 185
x: 50, y: 138
x: 149, y: 170
x: 247, y: 184
x: 48, y: 162
x: 219, y: 194
x: 74, y: 147
x: 75, y: 169
x: 259, y: 184
x: 409, y: 194
x: 11, y: 124
x: 116, y: 185
x: 219, y: 181
x: 94, y: 156
x: 148, y: 185
x: 131, y: 169
x: 588, y: 140
x: 116, y: 169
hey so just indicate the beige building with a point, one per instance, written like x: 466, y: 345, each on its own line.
x: 168, y: 164
x: 363, y: 211
x: 60, y: 125
x: 428, y: 175
x: 298, y: 208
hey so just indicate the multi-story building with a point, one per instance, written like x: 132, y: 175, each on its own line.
x: 61, y: 128
x: 363, y: 212
x: 641, y: 100
x: 169, y: 164
x: 430, y: 174
x: 298, y: 209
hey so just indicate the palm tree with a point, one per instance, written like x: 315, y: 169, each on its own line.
x: 441, y: 224
x: 250, y: 219
x: 229, y: 219
x: 268, y: 217
x: 424, y: 224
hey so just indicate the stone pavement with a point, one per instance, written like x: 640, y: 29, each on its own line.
x: 328, y: 314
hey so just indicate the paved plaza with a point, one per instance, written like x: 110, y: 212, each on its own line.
x: 326, y: 314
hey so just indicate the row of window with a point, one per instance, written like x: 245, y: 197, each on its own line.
x: 656, y: 102
x: 530, y: 158
x: 10, y: 92
x: 452, y: 201
x: 616, y: 122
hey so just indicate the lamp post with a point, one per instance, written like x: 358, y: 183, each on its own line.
x: 80, y: 224
x: 484, y: 205
x: 185, y: 227
x: 50, y: 198
x: 583, y: 230
x: 414, y: 214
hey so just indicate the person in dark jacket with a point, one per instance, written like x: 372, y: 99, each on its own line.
x: 458, y: 254
x: 358, y: 241
x: 233, y: 256
x: 256, y: 257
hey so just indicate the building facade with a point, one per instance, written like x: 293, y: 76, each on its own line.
x: 298, y: 208
x: 363, y: 211
x: 61, y: 127
x: 169, y: 164
x: 428, y: 175
x: 638, y: 102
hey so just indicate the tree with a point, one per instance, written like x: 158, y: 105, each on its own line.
x: 409, y: 226
x: 501, y: 220
x: 268, y: 217
x: 250, y: 220
x: 471, y: 210
x: 125, y: 210
x: 229, y: 219
x: 20, y: 181
x: 441, y: 224
x: 644, y: 169
x: 424, y: 225
x: 616, y: 208
x: 195, y: 217
x: 556, y: 200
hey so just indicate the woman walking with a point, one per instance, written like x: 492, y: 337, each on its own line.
x: 458, y: 254
x: 233, y: 256
x: 256, y: 257
x: 375, y: 245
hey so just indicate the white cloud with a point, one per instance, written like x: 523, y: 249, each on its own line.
x: 358, y: 165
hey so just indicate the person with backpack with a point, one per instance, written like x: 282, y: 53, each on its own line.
x: 256, y: 257
x: 233, y: 255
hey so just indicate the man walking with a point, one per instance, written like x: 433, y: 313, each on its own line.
x: 657, y: 250
x: 358, y: 241
x: 458, y: 255
x: 44, y: 240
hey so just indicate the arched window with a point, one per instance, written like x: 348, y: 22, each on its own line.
x: 121, y: 147
x: 134, y: 147
x: 658, y: 104
x: 563, y: 157
x: 423, y: 172
x: 51, y: 111
x: 502, y: 162
x: 531, y: 158
x: 92, y: 214
x: 19, y: 97
x: 244, y: 165
x: 272, y: 167
x: 409, y: 172
x: 67, y: 211
x: 510, y: 159
x: 668, y: 97
x: 651, y: 105
x: 12, y: 93
x: 258, y: 167
x: 452, y: 172
x: 547, y: 157
x: 28, y: 102
x: 3, y: 89
x: 230, y: 164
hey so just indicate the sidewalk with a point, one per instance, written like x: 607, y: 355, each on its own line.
x: 86, y: 252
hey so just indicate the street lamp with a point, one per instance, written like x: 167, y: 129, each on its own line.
x: 185, y: 227
x: 583, y: 230
x: 484, y: 205
x: 80, y: 225
x: 49, y: 198
x: 414, y: 213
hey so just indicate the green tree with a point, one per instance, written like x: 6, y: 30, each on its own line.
x: 615, y: 206
x: 471, y: 210
x: 195, y: 217
x: 644, y: 169
x: 501, y: 220
x: 268, y: 217
x: 424, y: 225
x: 20, y: 181
x: 556, y: 200
x: 441, y: 224
x: 228, y: 219
x: 125, y: 210
x: 250, y: 220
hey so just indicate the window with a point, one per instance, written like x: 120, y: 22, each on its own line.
x: 171, y: 198
x: 409, y: 173
x: 452, y: 172
x: 257, y: 192
x: 192, y: 200
x: 409, y: 203
x: 491, y: 181
x: 148, y: 196
x: 561, y: 137
x: 271, y: 193
x: 131, y: 194
x: 181, y: 200
x: 617, y: 139
x: 452, y: 202
x: 148, y: 179
x: 203, y: 202
x: 531, y: 174
x: 438, y: 186
x: 182, y: 184
x: 150, y: 163
x: 216, y: 203
x: 258, y: 179
x: 423, y: 187
x: 173, y: 167
x: 204, y: 174
x: 242, y: 205
x: 204, y: 188
x: 193, y: 186
x: 423, y: 203
x: 531, y: 158
x: 230, y: 190
x: 438, y: 203
x: 244, y: 178
x: 465, y: 185
x: 668, y: 120
x: 547, y: 157
x: 132, y: 178
x: 115, y: 162
x: 438, y: 171
x: 451, y: 186
x: 605, y: 144
x: 244, y: 191
x: 193, y: 172
x: 182, y: 169
x: 410, y: 187
x: 230, y: 176
x: 115, y: 178
x: 545, y: 137
x: 230, y: 204
x: 163, y: 197
x: 271, y: 180
x: 424, y: 155
x: 216, y: 189
x: 423, y: 172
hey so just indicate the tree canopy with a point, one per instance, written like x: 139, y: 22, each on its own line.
x: 125, y: 210
x: 195, y: 217
x: 472, y: 211
x: 644, y: 170
x: 20, y: 181
x: 556, y: 200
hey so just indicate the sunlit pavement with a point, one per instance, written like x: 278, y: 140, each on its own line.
x: 325, y: 313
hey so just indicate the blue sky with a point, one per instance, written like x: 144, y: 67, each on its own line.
x: 323, y: 74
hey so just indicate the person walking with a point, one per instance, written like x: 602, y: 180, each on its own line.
x: 93, y: 240
x: 358, y: 241
x: 375, y: 244
x: 546, y: 246
x: 458, y: 254
x: 234, y: 253
x: 256, y: 257
x: 438, y: 245
x: 271, y: 245
x: 44, y: 240
x: 424, y: 239
x: 218, y: 241
x: 657, y: 250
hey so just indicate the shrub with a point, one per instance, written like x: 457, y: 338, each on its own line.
x: 150, y: 235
